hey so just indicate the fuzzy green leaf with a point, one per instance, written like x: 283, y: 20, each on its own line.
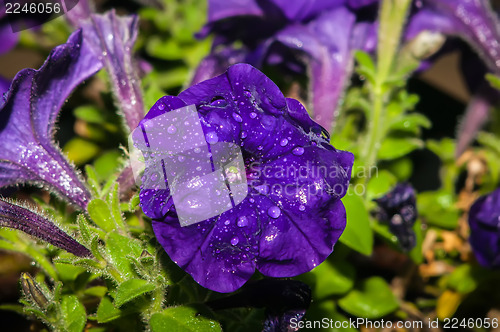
x: 130, y: 289
x: 182, y: 319
x: 74, y: 314
x: 101, y: 214
x: 107, y: 312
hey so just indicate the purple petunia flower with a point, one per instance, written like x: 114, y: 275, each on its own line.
x: 292, y: 215
x: 399, y: 210
x: 319, y: 34
x: 484, y: 222
x: 19, y: 217
x: 28, y: 112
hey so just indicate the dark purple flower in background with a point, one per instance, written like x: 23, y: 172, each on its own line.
x: 475, y: 22
x: 318, y: 34
x: 265, y: 230
x: 484, y: 222
x: 31, y: 222
x: 398, y: 209
x: 28, y: 113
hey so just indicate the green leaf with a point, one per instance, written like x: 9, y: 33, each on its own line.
x: 130, y: 289
x: 93, y: 180
x: 74, y: 314
x: 333, y: 278
x: 114, y: 203
x: 393, y: 148
x: 467, y: 277
x: 410, y: 123
x: 444, y: 149
x: 371, y: 298
x: 380, y: 184
x: 98, y: 291
x: 438, y: 208
x: 100, y: 213
x: 493, y: 80
x: 182, y: 319
x: 107, y: 164
x: 89, y: 114
x: 80, y: 151
x: 366, y: 65
x: 107, y: 312
x: 68, y: 272
x: 118, y: 248
x: 416, y: 253
x: 358, y: 234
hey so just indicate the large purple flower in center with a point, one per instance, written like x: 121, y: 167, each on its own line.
x: 292, y: 216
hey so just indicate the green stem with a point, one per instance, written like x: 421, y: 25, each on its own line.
x: 392, y: 18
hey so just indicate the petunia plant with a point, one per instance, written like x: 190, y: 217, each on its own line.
x: 251, y: 166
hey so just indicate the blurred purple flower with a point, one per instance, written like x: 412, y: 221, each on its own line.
x: 484, y: 222
x: 399, y: 210
x: 28, y: 112
x: 112, y: 38
x: 475, y: 22
x: 19, y: 217
x: 8, y: 39
x: 280, y: 232
x: 319, y: 34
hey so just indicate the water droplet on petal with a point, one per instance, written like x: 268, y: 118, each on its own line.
x: 302, y: 208
x: 253, y: 115
x: 212, y: 137
x: 181, y: 158
x: 171, y: 129
x: 284, y: 142
x: 242, y: 221
x: 235, y: 240
x: 260, y: 147
x: 219, y: 102
x: 243, y: 134
x: 298, y: 151
x: 227, y: 222
x: 161, y: 107
x: 237, y: 117
x: 274, y: 212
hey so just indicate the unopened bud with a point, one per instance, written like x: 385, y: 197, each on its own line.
x: 32, y: 290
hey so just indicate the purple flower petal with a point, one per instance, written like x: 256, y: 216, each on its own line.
x: 484, y: 216
x: 221, y: 253
x: 28, y: 113
x: 112, y: 38
x: 32, y: 223
x: 302, y: 10
x: 326, y: 43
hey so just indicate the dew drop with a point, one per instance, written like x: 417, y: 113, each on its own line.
x: 242, y: 221
x: 253, y: 115
x: 161, y: 107
x: 284, y: 142
x: 274, y: 212
x: 212, y: 137
x: 302, y: 208
x: 171, y: 129
x: 181, y: 158
x: 260, y: 147
x: 298, y: 151
x: 235, y: 240
x: 243, y: 134
x: 227, y: 222
x: 237, y: 117
x: 219, y: 102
